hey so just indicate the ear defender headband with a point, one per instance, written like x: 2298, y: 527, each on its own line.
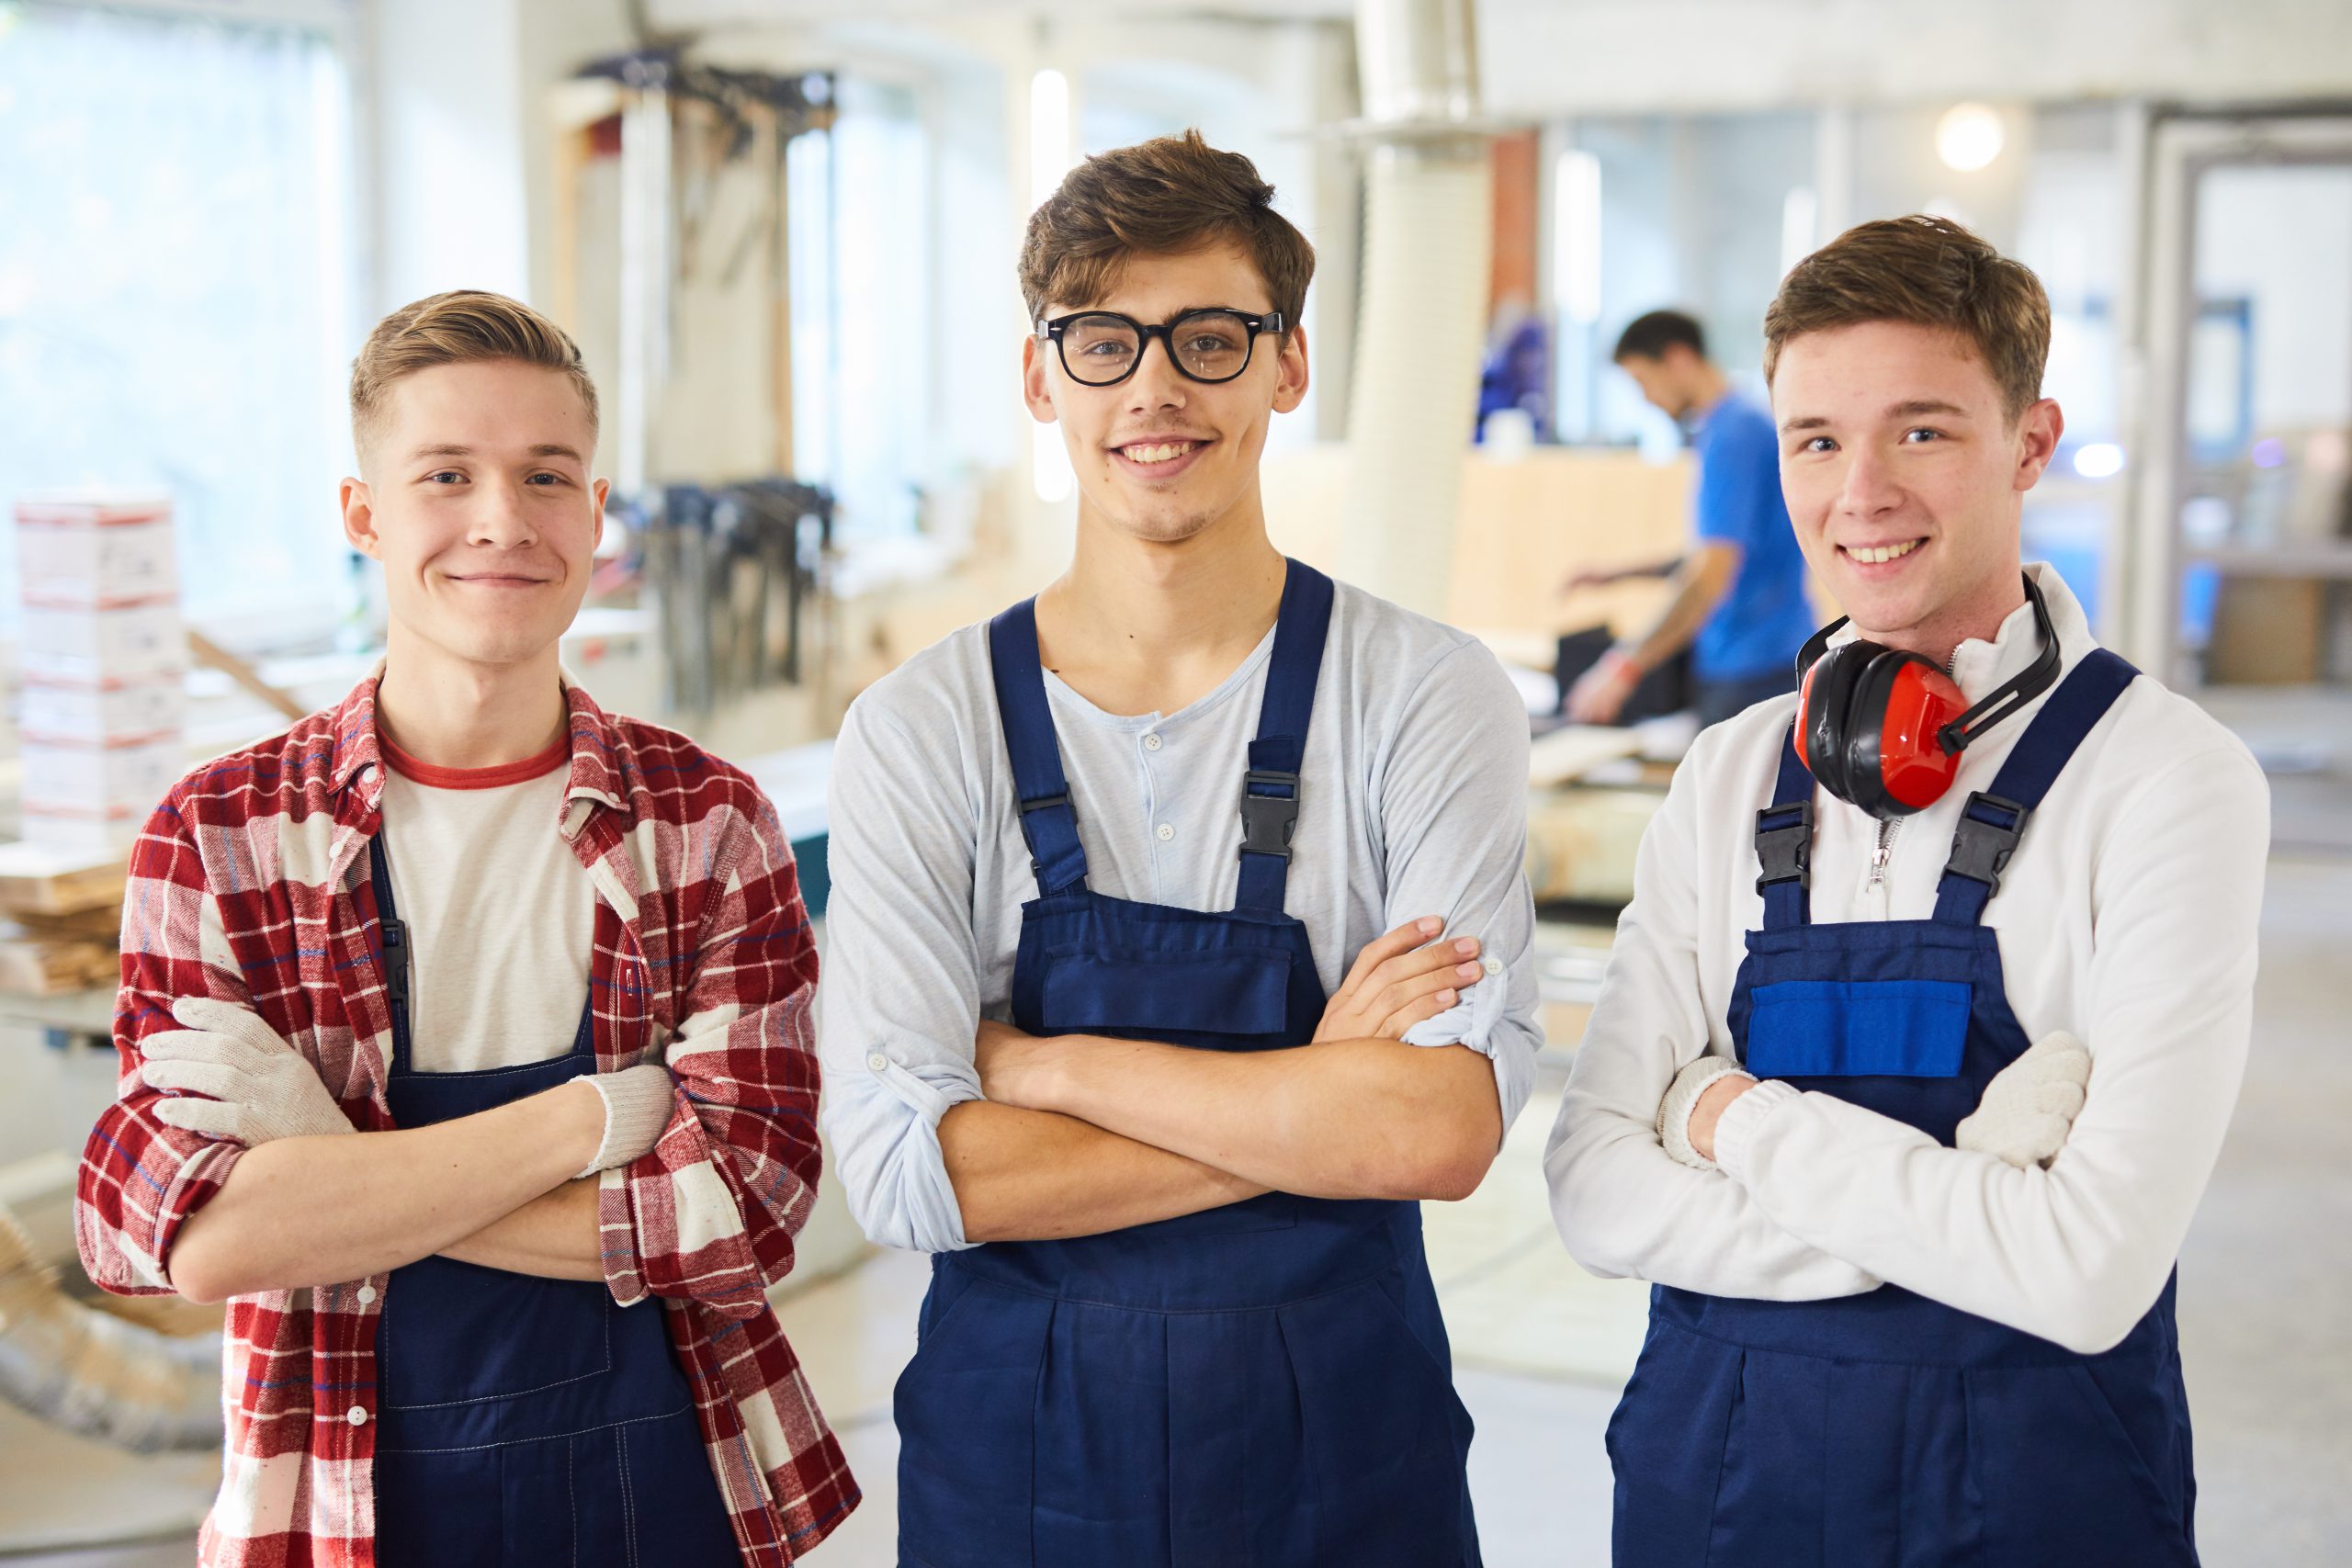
x: 1884, y: 729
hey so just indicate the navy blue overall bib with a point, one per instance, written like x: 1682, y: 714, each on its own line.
x: 1885, y: 1430
x: 522, y: 1422
x: 1262, y: 1385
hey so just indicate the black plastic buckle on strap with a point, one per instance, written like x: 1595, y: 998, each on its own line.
x: 394, y: 936
x: 1043, y: 803
x: 1981, y: 849
x: 1268, y: 821
x: 1784, y: 844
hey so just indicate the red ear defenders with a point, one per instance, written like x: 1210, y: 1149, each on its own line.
x: 1883, y: 728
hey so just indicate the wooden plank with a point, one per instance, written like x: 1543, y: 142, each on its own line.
x: 212, y: 656
x: 36, y: 879
x: 1568, y: 753
x: 45, y: 966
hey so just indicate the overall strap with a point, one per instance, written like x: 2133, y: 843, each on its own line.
x: 1994, y: 820
x: 1048, y: 819
x: 1785, y: 843
x: 1270, y: 789
x: 393, y: 955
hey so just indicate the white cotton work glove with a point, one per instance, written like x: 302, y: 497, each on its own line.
x: 1681, y: 1096
x: 260, y: 1087
x: 638, y: 1102
x: 2030, y: 1105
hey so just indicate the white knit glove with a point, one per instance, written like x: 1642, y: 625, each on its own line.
x: 2030, y: 1105
x: 638, y: 1103
x: 1681, y: 1096
x: 260, y: 1087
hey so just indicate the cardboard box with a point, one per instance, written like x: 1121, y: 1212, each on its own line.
x: 76, y: 642
x: 80, y: 562
x: 98, y: 783
x: 2267, y: 631
x: 90, y: 712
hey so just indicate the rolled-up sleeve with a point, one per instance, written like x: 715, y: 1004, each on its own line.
x: 141, y: 1177
x: 1452, y: 804
x: 901, y: 999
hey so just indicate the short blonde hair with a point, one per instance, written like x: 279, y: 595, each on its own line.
x: 465, y: 326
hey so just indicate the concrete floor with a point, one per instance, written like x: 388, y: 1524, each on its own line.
x: 2265, y: 1281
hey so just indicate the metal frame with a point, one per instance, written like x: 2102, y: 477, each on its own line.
x: 2178, y: 148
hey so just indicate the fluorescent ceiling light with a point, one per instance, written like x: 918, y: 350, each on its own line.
x: 1575, y: 236
x: 2100, y: 460
x: 1049, y: 157
x: 1969, y: 136
x: 1799, y: 226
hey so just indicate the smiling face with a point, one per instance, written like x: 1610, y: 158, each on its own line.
x: 1905, y: 478
x: 1160, y: 458
x: 478, y: 501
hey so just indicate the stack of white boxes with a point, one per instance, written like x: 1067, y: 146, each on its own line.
x: 104, y: 711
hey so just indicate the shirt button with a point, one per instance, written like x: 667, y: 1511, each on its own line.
x: 367, y: 1294
x: 877, y: 1063
x: 1152, y: 742
x: 1166, y: 832
x: 359, y: 1415
x: 1494, y: 965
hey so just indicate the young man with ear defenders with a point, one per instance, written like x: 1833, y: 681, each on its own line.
x: 1926, y: 1021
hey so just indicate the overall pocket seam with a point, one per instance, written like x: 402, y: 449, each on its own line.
x: 2118, y: 1436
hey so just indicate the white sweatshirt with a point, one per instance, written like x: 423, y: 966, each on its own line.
x: 2127, y: 917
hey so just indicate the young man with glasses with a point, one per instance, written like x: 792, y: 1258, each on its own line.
x: 1180, y: 946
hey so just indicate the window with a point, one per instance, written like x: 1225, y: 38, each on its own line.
x: 173, y: 289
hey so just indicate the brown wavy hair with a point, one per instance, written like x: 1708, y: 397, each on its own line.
x: 1927, y: 270
x: 1171, y: 196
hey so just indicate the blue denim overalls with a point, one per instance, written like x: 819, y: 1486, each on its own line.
x: 522, y: 1422
x: 1885, y: 1430
x: 1262, y: 1385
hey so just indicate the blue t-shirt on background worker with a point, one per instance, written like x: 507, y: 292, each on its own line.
x: 1739, y: 605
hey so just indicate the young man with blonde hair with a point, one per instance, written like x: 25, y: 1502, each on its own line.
x: 465, y: 1036
x: 1924, y: 1027
x: 1114, y: 1030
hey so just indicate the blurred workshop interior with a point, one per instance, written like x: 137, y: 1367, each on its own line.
x: 784, y: 234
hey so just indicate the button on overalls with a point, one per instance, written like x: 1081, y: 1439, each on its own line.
x: 1262, y: 1385
x: 522, y: 1422
x: 1885, y: 1430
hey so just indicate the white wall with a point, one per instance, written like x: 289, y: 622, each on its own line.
x: 447, y: 144
x: 1542, y: 57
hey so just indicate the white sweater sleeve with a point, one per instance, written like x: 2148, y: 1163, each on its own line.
x: 1624, y: 1208
x: 2076, y: 1253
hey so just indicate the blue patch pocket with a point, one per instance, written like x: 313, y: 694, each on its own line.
x: 1230, y: 990
x: 1836, y: 1029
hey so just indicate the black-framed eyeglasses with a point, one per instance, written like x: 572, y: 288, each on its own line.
x: 1102, y: 348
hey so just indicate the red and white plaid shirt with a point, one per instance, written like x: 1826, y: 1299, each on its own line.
x: 251, y: 883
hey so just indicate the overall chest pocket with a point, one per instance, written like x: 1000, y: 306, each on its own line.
x: 1227, y: 991
x: 456, y: 1334
x: 1858, y: 1029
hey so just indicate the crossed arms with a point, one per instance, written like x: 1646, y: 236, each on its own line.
x: 731, y: 1173
x: 949, y: 1128
x: 1818, y: 1198
x: 1080, y: 1134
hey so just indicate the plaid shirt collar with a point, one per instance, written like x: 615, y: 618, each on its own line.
x: 599, y: 766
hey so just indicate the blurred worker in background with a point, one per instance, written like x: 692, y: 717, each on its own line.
x: 1739, y: 595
